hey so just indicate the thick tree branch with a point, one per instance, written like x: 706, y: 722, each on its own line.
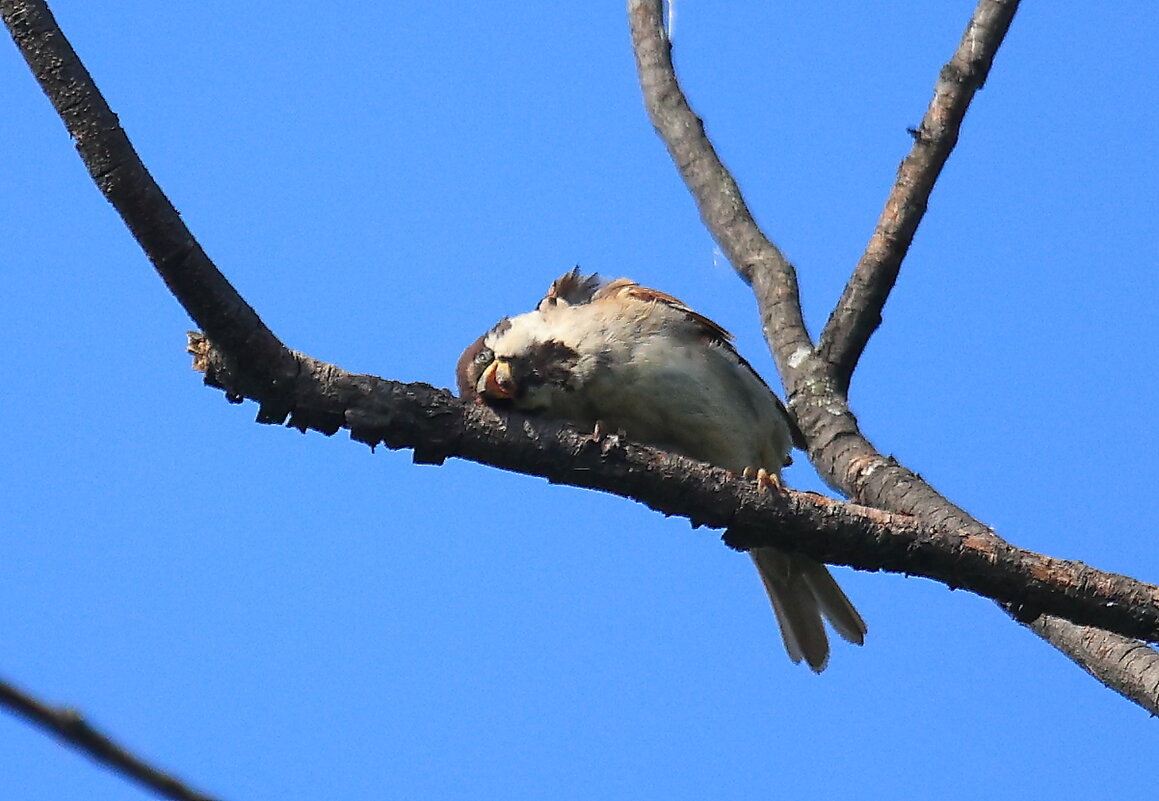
x: 858, y: 312
x: 70, y: 727
x: 437, y: 426
x: 837, y: 448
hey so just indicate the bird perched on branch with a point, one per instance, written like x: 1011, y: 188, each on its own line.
x: 616, y: 356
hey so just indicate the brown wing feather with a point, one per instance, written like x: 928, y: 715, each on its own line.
x: 627, y: 288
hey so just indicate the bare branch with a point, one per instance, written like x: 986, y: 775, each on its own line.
x: 837, y: 448
x: 116, y: 168
x: 69, y: 726
x: 858, y: 312
x: 717, y: 196
x: 1126, y: 666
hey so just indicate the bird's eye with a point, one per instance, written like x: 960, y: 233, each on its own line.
x: 484, y: 357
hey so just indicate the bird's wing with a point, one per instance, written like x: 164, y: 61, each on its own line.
x: 709, y: 329
x: 626, y: 288
x: 574, y: 289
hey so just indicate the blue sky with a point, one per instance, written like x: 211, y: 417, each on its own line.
x: 272, y: 615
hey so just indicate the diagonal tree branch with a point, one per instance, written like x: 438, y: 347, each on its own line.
x: 71, y: 727
x: 839, y: 451
x: 1125, y: 665
x: 858, y: 312
x: 114, y: 165
x: 718, y: 198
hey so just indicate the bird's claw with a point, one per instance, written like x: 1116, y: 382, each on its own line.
x: 598, y: 432
x: 764, y: 479
x: 602, y: 431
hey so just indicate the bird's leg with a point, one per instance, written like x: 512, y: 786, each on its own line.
x: 605, y: 436
x: 598, y: 431
x: 764, y: 478
x: 602, y: 431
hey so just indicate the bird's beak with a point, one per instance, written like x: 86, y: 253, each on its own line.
x: 497, y: 383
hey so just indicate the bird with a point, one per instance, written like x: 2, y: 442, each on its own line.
x: 612, y: 355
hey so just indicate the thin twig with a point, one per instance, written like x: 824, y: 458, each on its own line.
x: 858, y: 312
x: 69, y: 726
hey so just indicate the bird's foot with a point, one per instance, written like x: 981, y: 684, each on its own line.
x: 764, y: 479
x: 599, y: 431
x: 602, y: 431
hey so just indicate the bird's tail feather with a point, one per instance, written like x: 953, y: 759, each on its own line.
x: 802, y: 593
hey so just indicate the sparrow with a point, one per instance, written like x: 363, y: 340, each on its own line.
x: 617, y: 356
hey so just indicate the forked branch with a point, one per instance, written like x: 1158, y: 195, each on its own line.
x: 817, y: 395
